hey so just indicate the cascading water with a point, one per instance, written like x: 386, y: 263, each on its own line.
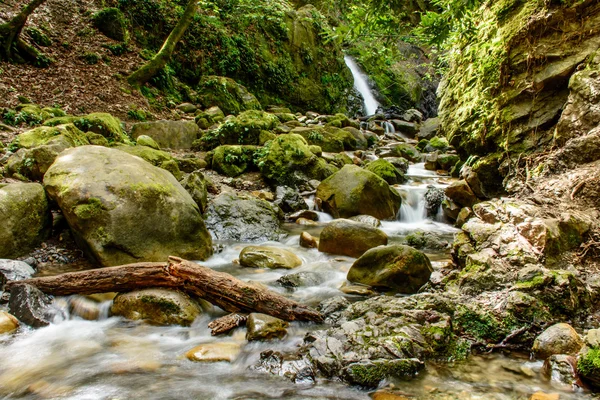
x: 361, y: 84
x: 389, y: 128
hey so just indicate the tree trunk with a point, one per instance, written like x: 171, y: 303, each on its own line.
x: 158, y: 62
x: 10, y: 31
x: 221, y: 289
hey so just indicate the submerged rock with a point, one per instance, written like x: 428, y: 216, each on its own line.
x: 242, y: 218
x: 26, y: 218
x: 396, y: 267
x: 215, y: 352
x: 354, y: 191
x: 8, y: 323
x: 122, y: 209
x: 265, y: 327
x: 157, y: 307
x: 268, y: 257
x: 349, y: 238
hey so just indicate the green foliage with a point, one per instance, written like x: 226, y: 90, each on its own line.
x: 90, y: 58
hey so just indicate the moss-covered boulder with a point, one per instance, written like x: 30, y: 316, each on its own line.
x: 44, y: 134
x: 227, y: 94
x: 386, y: 171
x: 354, y: 191
x: 268, y: 257
x: 121, y: 209
x: 265, y: 327
x: 242, y: 218
x: 350, y: 238
x: 287, y: 160
x: 111, y: 22
x: 157, y: 307
x: 407, y: 151
x: 101, y: 123
x: 232, y: 160
x: 396, y: 267
x: 370, y: 374
x: 246, y: 127
x: 588, y: 360
x: 145, y: 140
x: 329, y: 138
x: 175, y: 135
x: 26, y: 218
x: 197, y: 186
x: 158, y: 158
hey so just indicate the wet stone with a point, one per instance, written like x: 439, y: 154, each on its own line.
x: 8, y: 323
x: 215, y: 352
x: 264, y: 327
x: 557, y: 339
x: 30, y: 305
x: 308, y: 241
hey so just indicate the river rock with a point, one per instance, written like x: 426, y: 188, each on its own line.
x: 370, y: 373
x: 30, y: 305
x: 268, y: 257
x: 174, y: 135
x: 433, y: 200
x: 145, y: 140
x: 386, y: 171
x: 157, y: 307
x: 460, y: 193
x: 215, y: 352
x: 366, y: 219
x: 13, y: 270
x: 289, y: 200
x: 396, y: 267
x: 197, y: 186
x: 306, y: 214
x: 349, y: 238
x: 308, y: 241
x: 561, y: 368
x: 354, y: 191
x: 25, y: 217
x: 429, y: 128
x: 294, y: 367
x: 84, y: 307
x: 265, y: 327
x: 8, y: 323
x: 242, y: 218
x: 557, y: 339
x: 122, y: 210
x: 292, y: 281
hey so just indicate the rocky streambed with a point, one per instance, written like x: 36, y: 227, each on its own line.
x: 429, y: 288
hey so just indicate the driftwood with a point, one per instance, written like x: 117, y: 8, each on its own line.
x: 227, y: 323
x: 219, y: 288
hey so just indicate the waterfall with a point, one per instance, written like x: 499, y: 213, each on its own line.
x: 389, y: 128
x: 361, y: 84
x: 413, y: 205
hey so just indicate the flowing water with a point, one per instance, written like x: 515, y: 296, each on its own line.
x: 362, y: 86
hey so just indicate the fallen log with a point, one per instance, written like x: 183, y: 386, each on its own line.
x: 226, y: 323
x: 219, y: 288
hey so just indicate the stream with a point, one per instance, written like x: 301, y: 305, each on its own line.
x: 112, y: 358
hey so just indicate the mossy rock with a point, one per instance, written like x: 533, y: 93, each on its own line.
x: 386, y: 171
x: 437, y: 143
x: 588, y: 360
x: 121, y: 209
x: 354, y: 191
x: 197, y: 186
x: 175, y: 135
x: 447, y: 161
x: 268, y: 257
x: 155, y: 157
x: 145, y: 140
x: 350, y: 238
x: 227, y: 94
x: 233, y: 160
x: 43, y: 134
x: 246, y: 128
x: 287, y: 160
x: 407, y: 151
x: 26, y: 219
x: 265, y: 327
x: 100, y: 123
x: 396, y: 267
x: 157, y: 307
x: 38, y: 37
x: 111, y: 22
x: 329, y: 138
x: 370, y: 374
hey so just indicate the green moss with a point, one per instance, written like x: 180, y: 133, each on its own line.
x: 480, y: 325
x: 439, y: 143
x: 386, y: 170
x: 165, y: 306
x: 89, y: 210
x: 111, y: 22
x: 588, y: 364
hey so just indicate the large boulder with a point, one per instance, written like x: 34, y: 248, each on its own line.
x: 157, y: 307
x: 268, y: 257
x: 329, y: 138
x: 43, y: 134
x: 349, y: 238
x: 246, y: 127
x: 122, y: 209
x: 386, y: 171
x: 242, y: 218
x: 288, y: 160
x: 227, y: 94
x: 25, y: 217
x: 168, y: 134
x: 112, y: 23
x: 396, y: 267
x: 355, y: 191
x: 100, y: 123
x: 233, y: 160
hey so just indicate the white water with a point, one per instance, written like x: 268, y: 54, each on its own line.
x: 413, y: 209
x: 389, y: 128
x: 361, y: 84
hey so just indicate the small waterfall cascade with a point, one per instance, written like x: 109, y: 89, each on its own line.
x: 413, y: 208
x: 361, y: 84
x: 389, y: 128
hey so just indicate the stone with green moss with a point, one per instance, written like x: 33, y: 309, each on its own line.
x: 588, y: 360
x: 355, y: 191
x: 287, y: 160
x: 121, y: 209
x: 265, y: 327
x: 233, y: 160
x: 246, y: 128
x: 447, y: 161
x: 329, y: 138
x: 407, y: 151
x: 43, y: 134
x: 265, y: 136
x: 369, y: 374
x: 437, y: 143
x: 26, y: 219
x: 197, y: 186
x: 175, y: 135
x: 111, y: 22
x: 100, y: 123
x: 350, y: 238
x: 386, y: 171
x: 395, y: 267
x: 97, y: 139
x: 157, y: 307
x: 145, y: 140
x: 157, y: 158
